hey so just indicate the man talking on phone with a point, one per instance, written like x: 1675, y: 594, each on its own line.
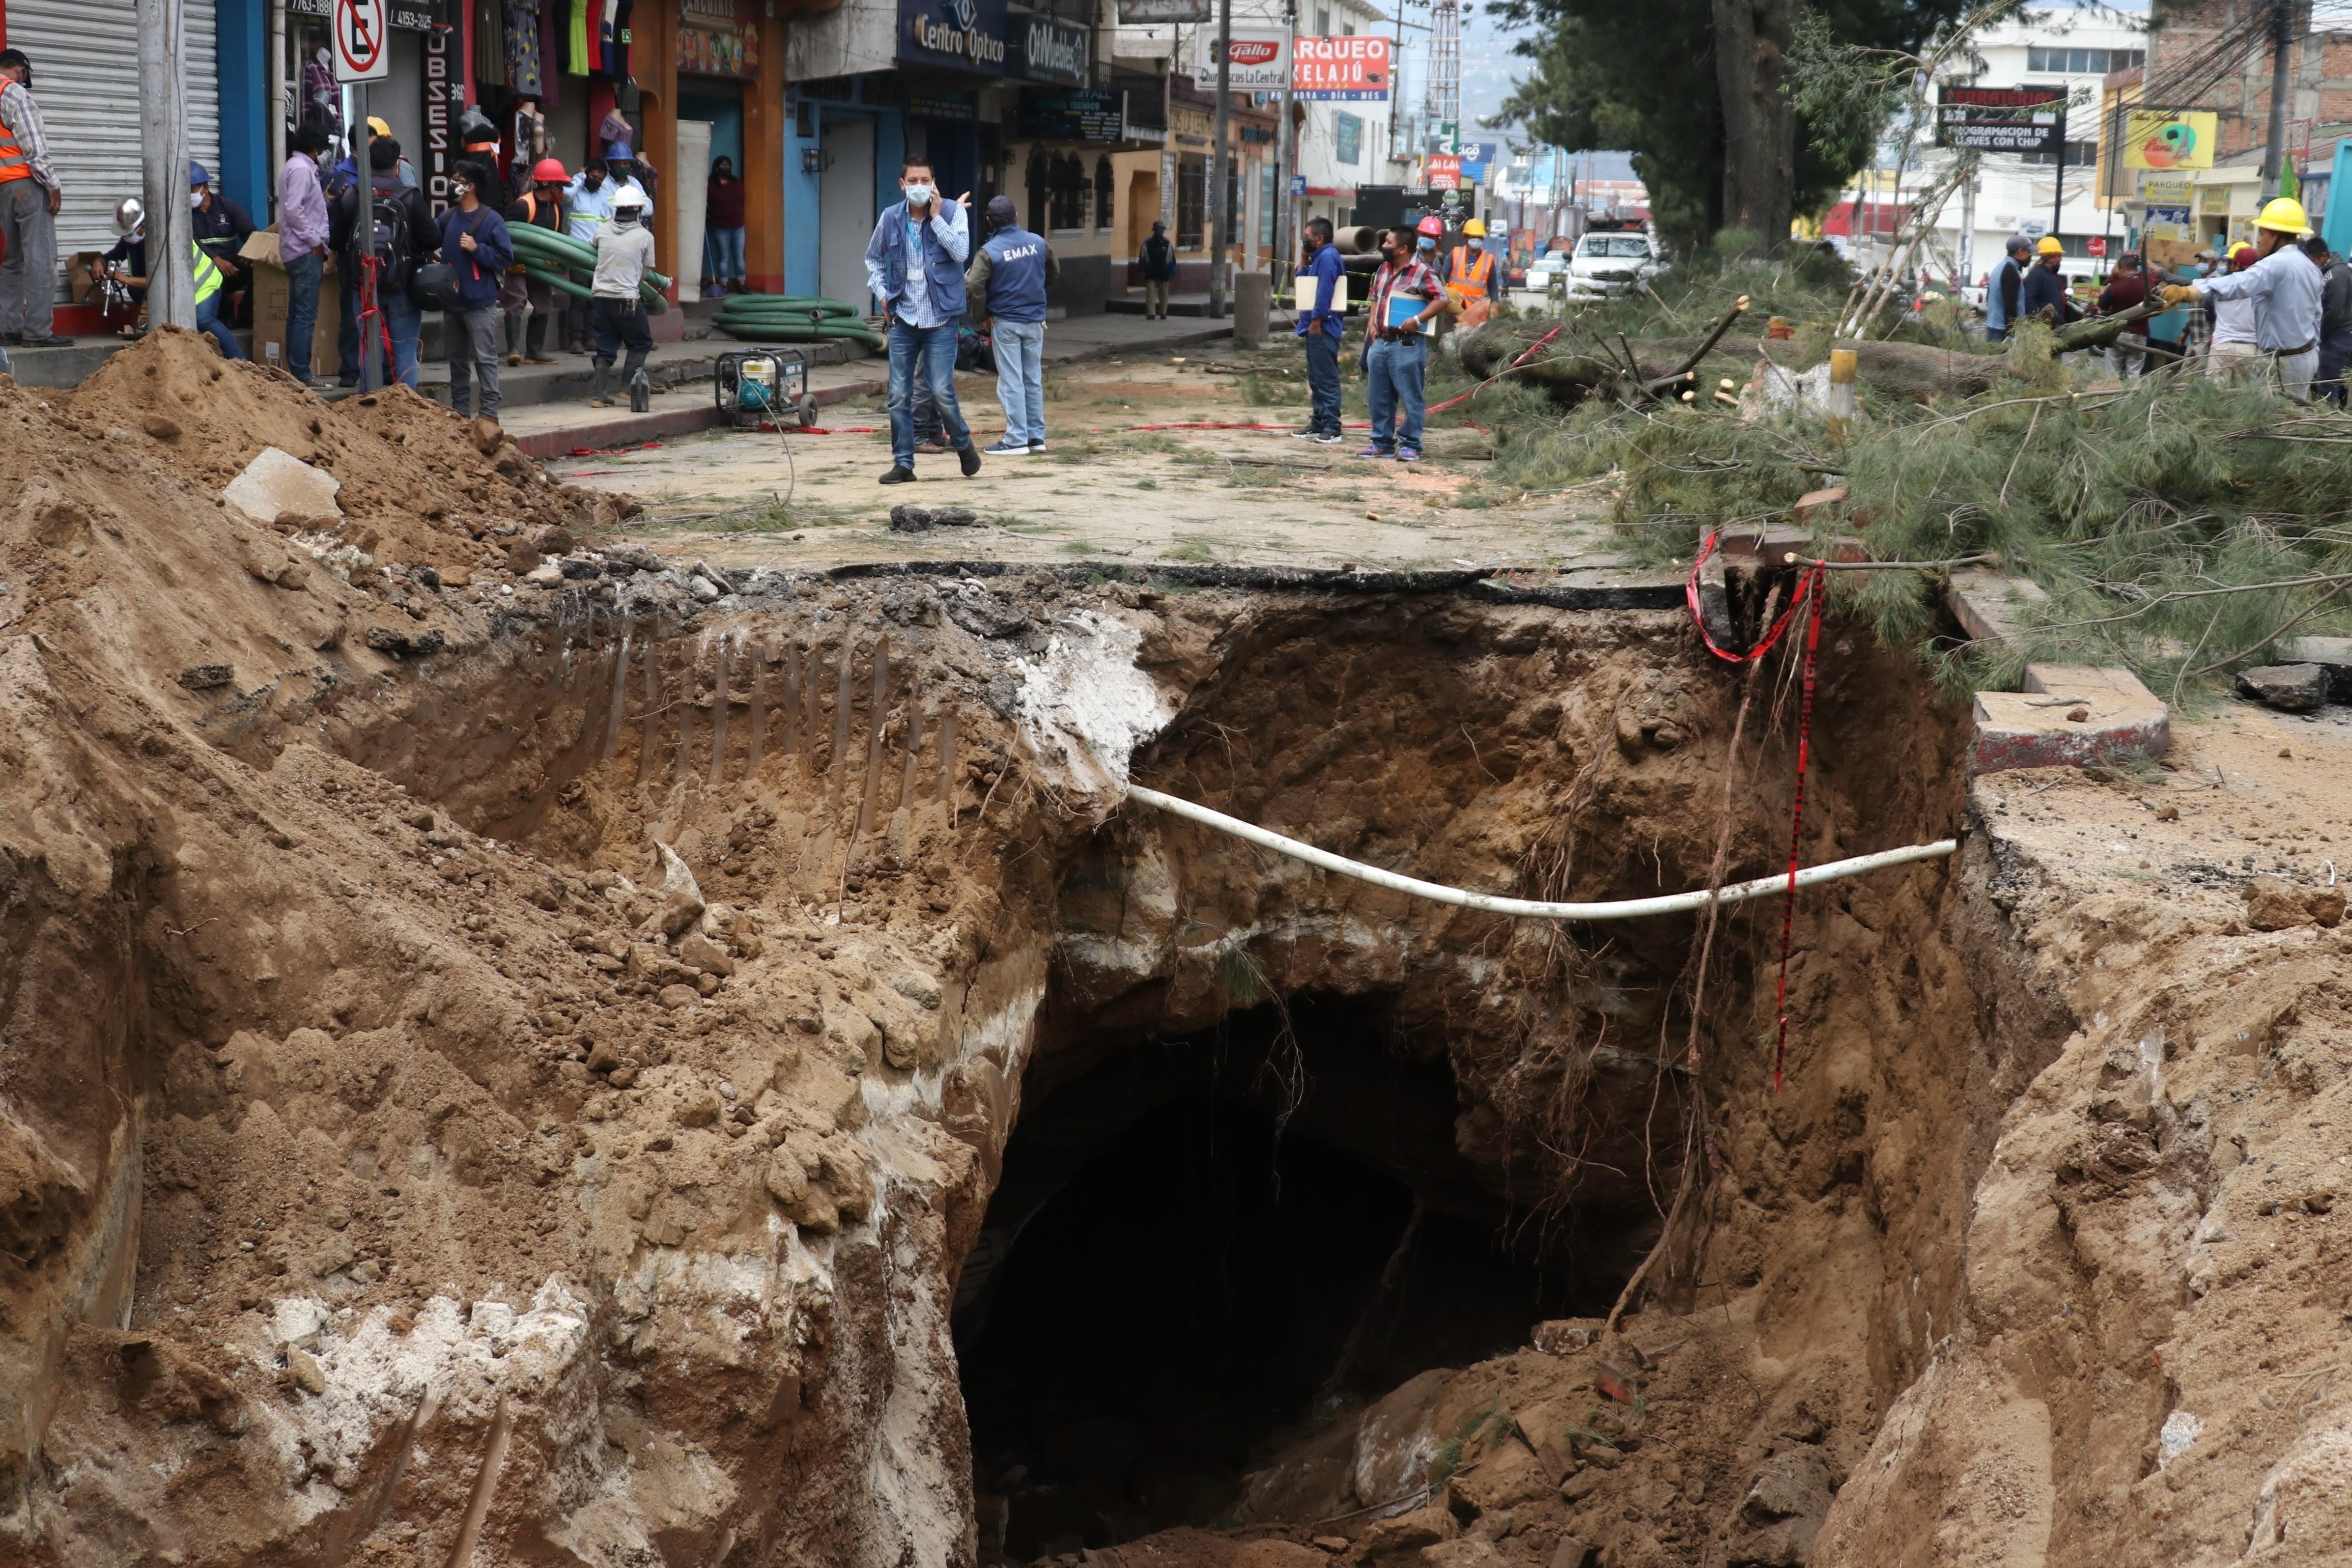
x: 914, y: 264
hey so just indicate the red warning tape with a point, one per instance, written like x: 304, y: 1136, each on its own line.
x: 1535, y: 349
x: 1772, y: 634
x: 1811, y: 593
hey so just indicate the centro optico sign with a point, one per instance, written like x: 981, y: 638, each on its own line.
x: 962, y: 34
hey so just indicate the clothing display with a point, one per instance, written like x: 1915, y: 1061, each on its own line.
x: 620, y: 61
x: 522, y: 49
x: 608, y: 14
x: 490, y: 45
x: 576, y: 43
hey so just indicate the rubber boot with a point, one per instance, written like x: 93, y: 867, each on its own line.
x: 599, y: 394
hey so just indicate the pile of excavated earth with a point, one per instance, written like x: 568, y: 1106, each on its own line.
x: 520, y: 1051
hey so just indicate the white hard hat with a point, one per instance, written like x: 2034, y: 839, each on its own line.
x: 129, y: 214
x: 628, y: 197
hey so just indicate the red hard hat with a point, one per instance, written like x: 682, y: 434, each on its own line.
x: 1431, y: 226
x: 548, y: 172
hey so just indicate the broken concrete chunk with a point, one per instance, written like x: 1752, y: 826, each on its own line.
x: 2291, y: 688
x: 205, y: 677
x: 546, y: 574
x: 702, y: 588
x: 278, y: 484
x: 906, y: 519
x: 404, y: 645
x: 983, y: 615
x: 303, y: 1368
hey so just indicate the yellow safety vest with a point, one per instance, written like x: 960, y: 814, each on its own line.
x: 208, y: 276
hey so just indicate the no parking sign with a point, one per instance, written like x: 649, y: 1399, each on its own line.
x: 359, y: 28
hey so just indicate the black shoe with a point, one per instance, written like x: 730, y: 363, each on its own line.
x: 900, y: 474
x: 968, y: 455
x: 51, y: 341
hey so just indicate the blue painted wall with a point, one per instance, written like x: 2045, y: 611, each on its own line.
x: 804, y: 216
x: 2338, y: 224
x: 241, y: 31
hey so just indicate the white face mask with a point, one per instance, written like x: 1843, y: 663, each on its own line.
x: 919, y: 195
x: 196, y: 200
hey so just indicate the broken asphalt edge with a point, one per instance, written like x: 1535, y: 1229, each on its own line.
x: 2013, y: 730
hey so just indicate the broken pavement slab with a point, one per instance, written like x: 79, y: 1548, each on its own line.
x: 277, y: 486
x: 2333, y: 654
x: 2070, y: 715
x: 1991, y: 606
x: 2290, y: 688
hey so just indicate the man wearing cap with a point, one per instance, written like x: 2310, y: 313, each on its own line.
x: 528, y: 302
x: 221, y: 228
x: 2284, y: 289
x: 1157, y: 262
x: 2004, y: 291
x: 2044, y: 288
x: 1010, y: 273
x: 30, y: 198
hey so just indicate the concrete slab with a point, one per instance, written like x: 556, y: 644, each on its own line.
x: 1991, y: 607
x: 2070, y: 715
x: 2333, y: 654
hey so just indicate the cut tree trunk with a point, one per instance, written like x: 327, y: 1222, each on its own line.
x: 1752, y: 38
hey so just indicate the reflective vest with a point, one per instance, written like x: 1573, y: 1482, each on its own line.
x: 208, y: 276
x: 14, y: 164
x: 1471, y: 274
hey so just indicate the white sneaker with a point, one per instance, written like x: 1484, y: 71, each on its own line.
x: 1037, y: 449
x: 1007, y: 449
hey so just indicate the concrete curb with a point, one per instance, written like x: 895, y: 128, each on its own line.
x: 2067, y: 715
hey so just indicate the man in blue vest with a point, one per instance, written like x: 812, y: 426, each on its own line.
x: 1010, y: 274
x: 1322, y: 319
x: 914, y: 264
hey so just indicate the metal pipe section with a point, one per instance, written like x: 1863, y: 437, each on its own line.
x: 1532, y: 909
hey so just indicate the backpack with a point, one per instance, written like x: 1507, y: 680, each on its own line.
x: 395, y: 258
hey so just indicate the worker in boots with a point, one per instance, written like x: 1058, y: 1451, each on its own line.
x: 2286, y: 292
x: 1473, y: 281
x: 530, y: 304
x: 625, y: 254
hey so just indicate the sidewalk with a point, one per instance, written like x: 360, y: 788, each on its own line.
x: 544, y: 428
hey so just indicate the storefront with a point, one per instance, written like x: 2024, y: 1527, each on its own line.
x: 85, y: 56
x: 415, y: 99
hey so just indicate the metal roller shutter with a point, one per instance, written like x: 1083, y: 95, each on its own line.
x: 85, y: 56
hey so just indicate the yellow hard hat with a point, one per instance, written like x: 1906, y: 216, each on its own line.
x: 1474, y: 229
x: 2049, y: 245
x: 376, y: 127
x: 2285, y: 215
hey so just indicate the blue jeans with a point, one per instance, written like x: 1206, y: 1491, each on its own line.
x: 208, y: 320
x: 1021, y: 378
x: 404, y: 321
x: 303, y: 275
x: 722, y: 256
x: 1393, y: 376
x: 936, y: 347
x: 1323, y: 381
x: 2335, y: 354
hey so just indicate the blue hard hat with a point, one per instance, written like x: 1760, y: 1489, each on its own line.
x: 197, y: 175
x: 619, y: 150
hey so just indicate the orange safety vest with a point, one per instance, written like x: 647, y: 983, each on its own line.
x: 1470, y: 278
x: 14, y: 164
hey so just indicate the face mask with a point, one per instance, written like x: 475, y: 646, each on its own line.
x: 1427, y: 243
x: 196, y: 200
x: 595, y: 182
x: 460, y: 192
x: 1475, y: 245
x: 919, y: 195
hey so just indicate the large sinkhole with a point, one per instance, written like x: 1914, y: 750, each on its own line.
x: 1204, y: 1245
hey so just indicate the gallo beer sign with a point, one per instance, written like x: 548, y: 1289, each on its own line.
x: 1259, y: 60
x: 1353, y: 68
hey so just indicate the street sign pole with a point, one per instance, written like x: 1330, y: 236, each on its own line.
x: 359, y: 28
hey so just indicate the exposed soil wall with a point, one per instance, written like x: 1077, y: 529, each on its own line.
x: 526, y: 1065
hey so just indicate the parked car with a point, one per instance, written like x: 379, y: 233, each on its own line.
x: 1603, y: 264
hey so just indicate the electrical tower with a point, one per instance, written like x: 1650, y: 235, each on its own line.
x: 1441, y: 100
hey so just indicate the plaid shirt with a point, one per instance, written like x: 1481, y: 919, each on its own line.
x: 1414, y: 279
x: 22, y: 116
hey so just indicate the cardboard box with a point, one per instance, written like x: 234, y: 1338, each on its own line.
x: 273, y: 292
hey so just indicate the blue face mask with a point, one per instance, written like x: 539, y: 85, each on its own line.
x: 1475, y: 245
x: 1427, y: 244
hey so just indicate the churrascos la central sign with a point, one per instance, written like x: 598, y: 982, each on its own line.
x: 962, y: 34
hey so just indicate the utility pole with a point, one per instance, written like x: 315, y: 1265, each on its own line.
x: 1220, y: 213
x: 164, y: 161
x: 2274, y: 145
x: 2058, y: 191
x: 1286, y: 164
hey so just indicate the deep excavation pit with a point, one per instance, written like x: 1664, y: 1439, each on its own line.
x: 521, y: 1073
